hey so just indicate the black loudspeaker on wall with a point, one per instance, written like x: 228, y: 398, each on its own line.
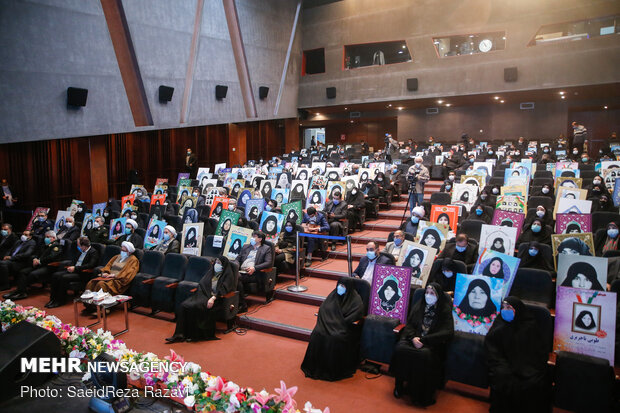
x: 412, y: 84
x: 165, y: 93
x: 24, y: 340
x: 263, y: 91
x: 220, y: 92
x: 331, y: 92
x: 76, y: 96
x: 510, y: 74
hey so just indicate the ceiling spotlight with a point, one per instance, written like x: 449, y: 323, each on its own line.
x: 496, y: 98
x: 390, y: 105
x: 400, y: 108
x: 351, y: 121
x: 318, y: 114
x: 400, y: 52
x: 404, y: 46
x: 501, y: 101
x: 346, y: 108
x: 448, y: 104
x: 604, y: 107
x: 504, y: 38
x: 561, y: 93
x: 300, y: 124
x: 563, y: 97
x: 440, y: 101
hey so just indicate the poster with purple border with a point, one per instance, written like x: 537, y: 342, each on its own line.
x: 573, y: 223
x: 585, y: 322
x: 390, y: 292
x: 508, y: 219
x: 182, y: 175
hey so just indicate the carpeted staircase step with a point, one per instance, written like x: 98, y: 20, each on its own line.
x: 331, y: 268
x: 282, y: 318
x: 318, y: 289
x: 382, y: 224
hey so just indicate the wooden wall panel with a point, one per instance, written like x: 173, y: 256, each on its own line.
x: 372, y: 132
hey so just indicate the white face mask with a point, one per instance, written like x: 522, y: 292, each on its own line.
x: 431, y: 299
x: 95, y: 224
x: 596, y: 182
x: 545, y: 190
x: 68, y: 224
x: 24, y: 238
x: 540, y: 214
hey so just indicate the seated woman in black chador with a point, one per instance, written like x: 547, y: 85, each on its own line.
x: 197, y: 314
x: 517, y: 362
x: 389, y: 295
x: 417, y: 363
x: 582, y: 275
x: 333, y: 351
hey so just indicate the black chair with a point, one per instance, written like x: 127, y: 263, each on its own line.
x: 578, y: 374
x: 437, y: 265
x: 472, y: 228
x: 164, y: 286
x: 496, y: 181
x: 612, y: 253
x: 197, y: 267
x: 466, y: 360
x: 545, y: 201
x: 585, y: 167
x: 408, y: 236
x: 141, y: 232
x: 600, y: 219
x: 542, y: 181
x: 143, y: 219
x: 440, y: 198
x: 150, y: 267
x: 208, y: 250
x: 176, y: 222
x: 534, y: 285
x: 543, y: 174
x: 109, y: 252
x: 545, y: 250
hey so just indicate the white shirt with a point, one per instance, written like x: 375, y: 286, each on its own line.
x: 370, y: 269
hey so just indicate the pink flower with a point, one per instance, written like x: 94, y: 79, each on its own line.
x: 174, y: 357
x: 286, y: 396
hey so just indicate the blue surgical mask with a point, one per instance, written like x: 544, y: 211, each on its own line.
x: 508, y: 315
x: 415, y: 219
x: 48, y: 241
x: 430, y: 299
x: 288, y: 229
x: 124, y: 254
x: 166, y: 236
x: 478, y: 212
x: 471, y: 160
x: 4, y: 232
x: 127, y: 230
x: 252, y: 241
x: 371, y: 255
x: 267, y: 207
x: 536, y: 228
x: 41, y: 219
x: 336, y: 201
x: 341, y: 289
x: 460, y: 249
x: 584, y: 160
x: 398, y: 241
x: 495, y: 191
x: 218, y: 267
x: 448, y: 274
x: 533, y: 252
x: 612, y: 232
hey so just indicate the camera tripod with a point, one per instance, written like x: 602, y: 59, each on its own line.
x: 413, y: 194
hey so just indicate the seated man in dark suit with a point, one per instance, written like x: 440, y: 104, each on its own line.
x: 18, y: 258
x: 8, y: 239
x: 38, y: 270
x: 130, y: 235
x: 99, y: 233
x: 40, y: 225
x: 373, y: 256
x: 79, y: 270
x: 253, y: 257
x: 69, y: 230
x: 314, y: 222
x: 461, y: 250
x: 336, y: 210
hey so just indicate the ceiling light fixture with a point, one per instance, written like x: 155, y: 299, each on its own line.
x: 501, y: 101
x: 448, y: 104
x: 400, y: 108
x: 561, y: 93
x: 563, y: 97
x: 496, y: 98
x: 318, y: 114
x: 604, y: 107
x: 440, y: 101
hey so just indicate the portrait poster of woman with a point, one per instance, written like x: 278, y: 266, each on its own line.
x: 127, y: 201
x: 303, y: 174
x: 87, y: 225
x: 117, y: 228
x: 237, y: 238
x: 203, y: 173
x: 61, y: 217
x: 266, y: 186
x: 190, y: 215
x: 338, y: 186
x: 432, y: 235
x: 419, y: 258
x: 578, y: 271
x: 572, y: 244
x: 219, y: 204
x: 445, y: 214
x: 293, y: 211
x: 183, y: 190
x: 191, y: 242
x: 271, y: 224
x: 181, y: 176
x: 154, y: 233
x: 497, y: 265
x: 257, y: 180
x: 253, y: 209
x: 568, y: 182
x: 514, y: 176
x: 573, y: 223
x: 187, y: 202
x: 333, y: 174
x: 477, y: 300
x: 244, y: 196
x: 227, y: 220
x: 390, y: 292
x: 280, y: 195
x: 567, y: 172
x: 206, y: 185
x: 498, y: 238
x: 463, y: 194
x: 299, y: 190
x: 316, y: 198
x: 508, y: 219
x: 585, y: 322
x: 158, y: 199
